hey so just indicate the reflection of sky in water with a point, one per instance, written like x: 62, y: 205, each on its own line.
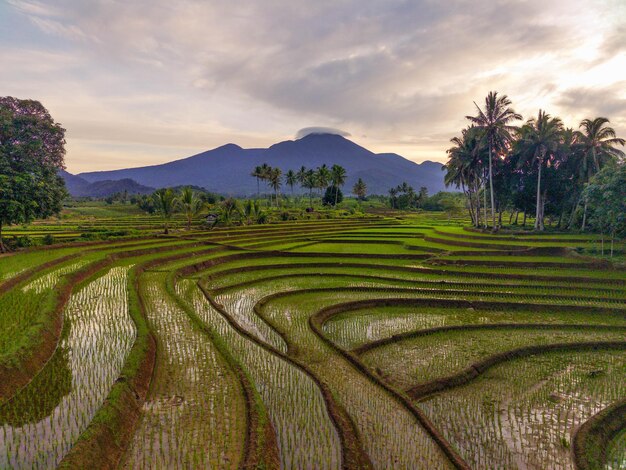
x: 100, y: 335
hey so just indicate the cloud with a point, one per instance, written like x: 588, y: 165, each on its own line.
x: 320, y: 130
x: 402, y: 72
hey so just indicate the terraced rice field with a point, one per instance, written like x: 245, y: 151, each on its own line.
x: 372, y: 342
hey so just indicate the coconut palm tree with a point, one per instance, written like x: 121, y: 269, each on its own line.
x: 393, y: 193
x: 291, y: 179
x: 360, y: 189
x: 338, y: 178
x: 190, y: 203
x: 301, y: 174
x: 464, y: 168
x: 323, y: 177
x: 309, y: 182
x: 264, y: 173
x: 597, y: 145
x: 539, y: 141
x: 275, y: 181
x: 257, y: 173
x: 494, y: 122
x: 165, y: 205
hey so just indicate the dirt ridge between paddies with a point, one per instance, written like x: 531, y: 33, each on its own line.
x: 532, y: 237
x: 260, y: 443
x: 386, y: 267
x: 465, y: 376
x: 439, y: 296
x: 591, y: 439
x: 250, y: 254
x: 353, y: 454
x: 103, y: 443
x: 424, y: 285
x: 396, y: 338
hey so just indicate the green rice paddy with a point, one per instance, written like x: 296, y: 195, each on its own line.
x: 361, y: 342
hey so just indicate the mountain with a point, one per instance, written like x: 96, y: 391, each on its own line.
x: 227, y: 169
x: 80, y: 187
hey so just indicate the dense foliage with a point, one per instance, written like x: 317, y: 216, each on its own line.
x: 32, y: 149
x: 540, y: 166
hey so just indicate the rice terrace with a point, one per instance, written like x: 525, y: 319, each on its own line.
x: 404, y: 341
x: 212, y: 257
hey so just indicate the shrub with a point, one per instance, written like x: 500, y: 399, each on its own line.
x: 48, y: 239
x: 332, y: 193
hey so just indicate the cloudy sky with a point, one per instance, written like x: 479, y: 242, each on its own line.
x: 137, y: 82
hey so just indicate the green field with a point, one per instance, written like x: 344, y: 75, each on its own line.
x: 395, y: 340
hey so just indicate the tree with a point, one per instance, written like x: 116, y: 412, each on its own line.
x: 275, y: 180
x: 359, y: 189
x: 291, y: 179
x: 32, y: 150
x: 539, y: 142
x: 229, y: 209
x: 165, y: 205
x: 597, y: 142
x: 393, y: 193
x: 264, y: 172
x: 332, y: 196
x: 190, y: 203
x: 606, y: 195
x: 494, y: 121
x: 309, y: 181
x: 323, y: 177
x: 257, y: 173
x: 337, y: 178
x: 464, y: 168
x: 301, y: 174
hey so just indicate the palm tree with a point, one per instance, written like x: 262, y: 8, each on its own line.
x: 229, y: 208
x: 275, y: 181
x: 494, y: 121
x: 291, y: 179
x: 463, y: 168
x: 338, y: 178
x: 597, y: 142
x: 323, y: 177
x: 393, y: 192
x: 264, y: 173
x: 309, y: 182
x: 360, y: 189
x: 301, y: 174
x: 165, y: 205
x: 539, y: 141
x: 257, y: 173
x: 190, y: 203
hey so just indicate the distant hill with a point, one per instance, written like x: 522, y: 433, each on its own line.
x: 80, y: 187
x: 227, y: 169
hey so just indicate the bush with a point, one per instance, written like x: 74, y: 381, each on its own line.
x: 48, y: 239
x: 331, y: 193
x: 262, y: 218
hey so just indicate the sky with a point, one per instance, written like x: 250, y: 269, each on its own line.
x: 140, y: 82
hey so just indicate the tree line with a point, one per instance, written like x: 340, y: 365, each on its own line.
x: 331, y: 179
x: 540, y: 166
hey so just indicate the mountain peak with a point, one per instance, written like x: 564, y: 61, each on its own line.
x: 226, y: 169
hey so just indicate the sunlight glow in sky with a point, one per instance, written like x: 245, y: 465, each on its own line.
x: 140, y: 82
